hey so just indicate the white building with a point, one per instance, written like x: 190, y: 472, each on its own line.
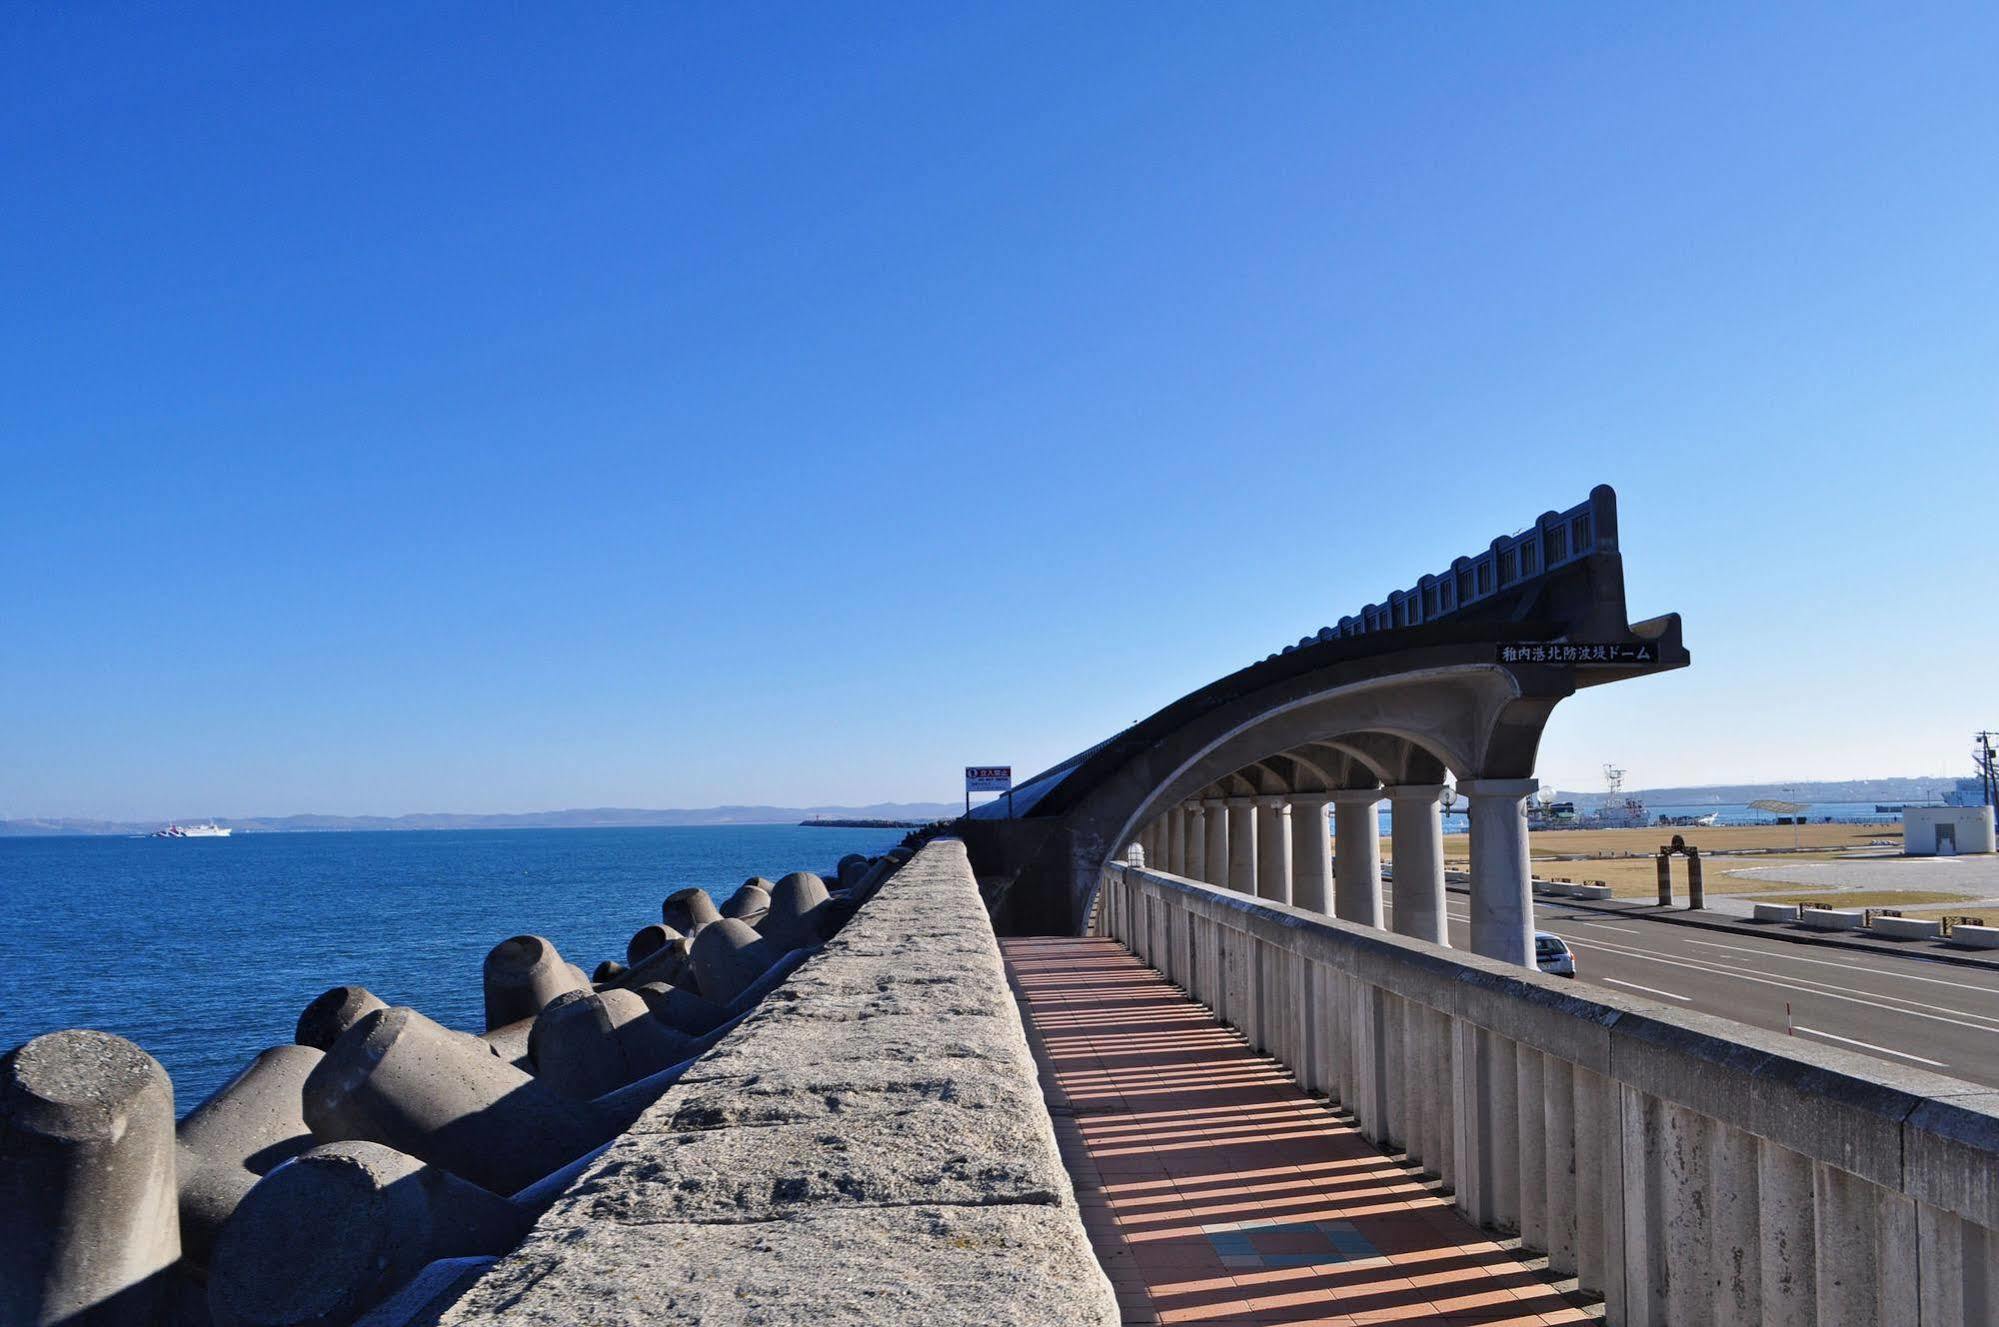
x: 1943, y: 831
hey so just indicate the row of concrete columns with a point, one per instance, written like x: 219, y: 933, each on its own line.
x: 1280, y: 847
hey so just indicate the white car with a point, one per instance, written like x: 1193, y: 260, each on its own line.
x: 1552, y: 955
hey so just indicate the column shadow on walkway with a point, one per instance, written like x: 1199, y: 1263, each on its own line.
x: 1216, y: 1190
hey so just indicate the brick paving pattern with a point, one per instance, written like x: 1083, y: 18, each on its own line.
x: 1217, y: 1191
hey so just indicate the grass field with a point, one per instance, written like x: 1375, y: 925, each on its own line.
x: 1625, y: 859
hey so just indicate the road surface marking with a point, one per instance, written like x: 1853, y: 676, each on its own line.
x: 1850, y: 966
x: 1649, y: 990
x: 1868, y: 1045
x: 1798, y: 984
x: 1813, y: 986
x: 1608, y: 927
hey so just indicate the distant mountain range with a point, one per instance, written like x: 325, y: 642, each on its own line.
x: 593, y: 818
x: 1850, y: 790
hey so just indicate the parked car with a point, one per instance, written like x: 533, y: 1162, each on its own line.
x: 1552, y: 955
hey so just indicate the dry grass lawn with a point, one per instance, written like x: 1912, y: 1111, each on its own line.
x: 1625, y: 859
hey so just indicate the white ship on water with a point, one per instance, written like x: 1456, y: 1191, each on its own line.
x: 206, y: 830
x: 1619, y: 810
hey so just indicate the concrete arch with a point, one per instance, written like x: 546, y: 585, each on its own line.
x: 1462, y: 686
x: 1457, y: 705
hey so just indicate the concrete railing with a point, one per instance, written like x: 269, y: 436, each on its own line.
x: 870, y: 1146
x: 1690, y: 1169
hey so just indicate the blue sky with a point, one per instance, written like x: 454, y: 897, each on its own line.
x: 475, y: 408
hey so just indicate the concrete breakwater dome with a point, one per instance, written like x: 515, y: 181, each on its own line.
x: 1233, y: 784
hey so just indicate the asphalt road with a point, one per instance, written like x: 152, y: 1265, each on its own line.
x: 1904, y: 1010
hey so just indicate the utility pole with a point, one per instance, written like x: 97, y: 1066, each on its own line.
x: 1988, y: 771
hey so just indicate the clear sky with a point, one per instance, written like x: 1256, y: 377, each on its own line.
x: 481, y: 408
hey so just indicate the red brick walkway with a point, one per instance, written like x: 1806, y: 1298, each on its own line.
x: 1217, y: 1191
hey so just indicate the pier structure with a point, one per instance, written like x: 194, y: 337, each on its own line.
x: 1269, y: 781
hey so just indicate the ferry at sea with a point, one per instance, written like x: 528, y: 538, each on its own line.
x: 206, y: 830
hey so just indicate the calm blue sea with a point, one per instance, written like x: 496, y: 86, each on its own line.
x: 204, y: 951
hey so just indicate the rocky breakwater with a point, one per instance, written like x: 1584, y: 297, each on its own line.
x: 868, y: 1147
x: 371, y: 1169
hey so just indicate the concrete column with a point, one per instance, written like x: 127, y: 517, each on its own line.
x: 1502, y: 895
x: 1311, y: 852
x: 1215, y: 851
x: 1176, y: 842
x: 1416, y: 834
x: 1786, y: 1228
x: 1530, y: 1119
x: 1558, y: 1153
x: 1734, y: 1201
x: 1273, y: 849
x: 1242, y: 844
x: 1197, y: 842
x: 1357, y: 854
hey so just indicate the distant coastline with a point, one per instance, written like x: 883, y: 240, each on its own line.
x: 907, y: 815
x: 884, y: 815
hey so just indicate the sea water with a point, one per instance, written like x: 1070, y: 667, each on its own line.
x: 203, y: 951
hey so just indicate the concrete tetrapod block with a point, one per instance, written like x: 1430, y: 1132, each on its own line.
x: 608, y: 973
x: 535, y: 1032
x: 794, y: 915
x: 602, y: 1042
x: 399, y: 1079
x: 646, y: 940
x: 688, y: 910
x: 880, y: 871
x: 88, y: 1216
x: 727, y: 956
x: 522, y: 975
x: 512, y: 1042
x: 853, y: 870
x: 771, y: 978
x: 320, y: 1241
x: 683, y: 1009
x: 254, y: 1122
x: 665, y: 964
x: 750, y: 901
x: 333, y: 1012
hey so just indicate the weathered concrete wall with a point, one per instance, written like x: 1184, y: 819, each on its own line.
x: 869, y: 1147
x: 1690, y: 1169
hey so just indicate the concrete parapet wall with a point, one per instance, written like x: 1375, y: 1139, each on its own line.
x: 1690, y: 1169
x: 1907, y: 928
x: 1833, y: 919
x: 871, y: 1146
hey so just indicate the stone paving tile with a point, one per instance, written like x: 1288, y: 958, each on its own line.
x: 1216, y: 1191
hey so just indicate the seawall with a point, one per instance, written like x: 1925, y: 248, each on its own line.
x: 870, y: 1146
